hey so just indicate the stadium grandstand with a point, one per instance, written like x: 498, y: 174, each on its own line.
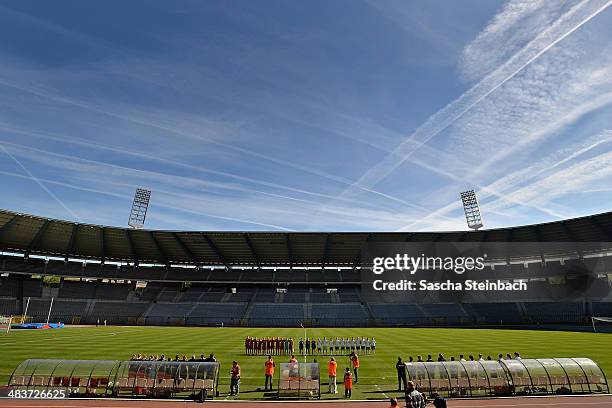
x: 204, y: 278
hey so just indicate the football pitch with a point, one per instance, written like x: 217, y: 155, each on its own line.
x: 377, y: 378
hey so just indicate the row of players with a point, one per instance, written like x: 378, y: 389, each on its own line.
x: 285, y: 346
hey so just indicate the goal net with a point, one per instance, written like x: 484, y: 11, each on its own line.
x: 602, y: 324
x: 5, y: 323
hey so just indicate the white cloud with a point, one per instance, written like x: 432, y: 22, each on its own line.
x: 190, y: 195
x: 442, y: 120
x: 520, y: 133
x: 501, y: 39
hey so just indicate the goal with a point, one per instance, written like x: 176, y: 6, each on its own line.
x: 602, y: 324
x: 5, y: 323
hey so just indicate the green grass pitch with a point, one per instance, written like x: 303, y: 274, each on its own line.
x: 377, y: 372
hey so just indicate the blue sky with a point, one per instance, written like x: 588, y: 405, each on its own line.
x: 336, y: 115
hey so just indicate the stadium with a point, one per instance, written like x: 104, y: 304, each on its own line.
x: 379, y: 203
x: 123, y: 292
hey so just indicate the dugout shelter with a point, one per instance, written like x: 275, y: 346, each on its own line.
x: 98, y: 378
x: 491, y: 378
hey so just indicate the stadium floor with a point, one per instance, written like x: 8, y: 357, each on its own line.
x: 604, y: 401
x: 377, y: 373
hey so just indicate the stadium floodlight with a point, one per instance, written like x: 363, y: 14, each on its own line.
x: 139, y: 208
x: 471, y: 209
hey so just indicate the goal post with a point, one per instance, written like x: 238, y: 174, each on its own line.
x: 601, y: 324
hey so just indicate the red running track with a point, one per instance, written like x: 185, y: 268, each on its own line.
x: 603, y: 401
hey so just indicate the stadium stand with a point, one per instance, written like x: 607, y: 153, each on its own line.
x: 62, y: 311
x: 86, y: 288
x: 445, y: 312
x: 216, y: 313
x: 287, y: 315
x: 114, y: 291
x: 32, y: 288
x: 398, y: 314
x: 166, y: 303
x: 243, y: 294
x: 341, y: 314
x: 77, y: 290
x: 554, y: 312
x: 295, y: 295
x: 9, y: 287
x: 602, y: 309
x: 167, y: 313
x: 151, y: 291
x: 168, y: 293
x: 349, y: 295
x: 265, y: 294
x: 192, y: 294
x: 9, y: 307
x: 214, y: 295
x: 318, y: 295
x: 116, y: 312
x: 350, y: 276
x: 495, y: 312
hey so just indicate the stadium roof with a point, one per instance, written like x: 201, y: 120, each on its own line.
x: 33, y: 235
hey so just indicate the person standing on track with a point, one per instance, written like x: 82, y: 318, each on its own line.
x: 269, y: 371
x: 348, y: 383
x: 401, y: 374
x: 355, y: 363
x: 332, y: 367
x: 235, y: 379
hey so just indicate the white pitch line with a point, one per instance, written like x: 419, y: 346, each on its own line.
x: 381, y: 391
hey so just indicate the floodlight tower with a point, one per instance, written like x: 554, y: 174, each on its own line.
x: 139, y: 208
x: 471, y: 209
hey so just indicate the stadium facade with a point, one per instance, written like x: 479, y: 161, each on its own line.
x: 126, y: 276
